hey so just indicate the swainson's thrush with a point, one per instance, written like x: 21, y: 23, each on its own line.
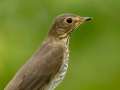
x: 48, y: 66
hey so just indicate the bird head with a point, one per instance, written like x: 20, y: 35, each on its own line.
x: 66, y: 23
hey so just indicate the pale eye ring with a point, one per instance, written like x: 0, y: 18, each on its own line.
x: 69, y: 20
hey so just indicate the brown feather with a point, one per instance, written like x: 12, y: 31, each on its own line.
x: 45, y: 64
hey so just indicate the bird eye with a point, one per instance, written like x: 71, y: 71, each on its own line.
x: 69, y: 20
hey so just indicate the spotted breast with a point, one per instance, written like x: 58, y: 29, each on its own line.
x: 63, y: 69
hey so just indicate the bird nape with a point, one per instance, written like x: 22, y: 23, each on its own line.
x: 47, y: 67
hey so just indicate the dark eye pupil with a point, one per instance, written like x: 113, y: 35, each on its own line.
x: 69, y: 20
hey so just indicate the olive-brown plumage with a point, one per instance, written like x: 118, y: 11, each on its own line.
x: 48, y: 66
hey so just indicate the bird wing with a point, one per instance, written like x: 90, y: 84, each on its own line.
x: 39, y: 70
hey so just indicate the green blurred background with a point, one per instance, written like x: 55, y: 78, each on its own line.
x: 95, y: 47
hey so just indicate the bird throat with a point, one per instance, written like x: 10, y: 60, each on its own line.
x: 65, y: 35
x: 63, y: 69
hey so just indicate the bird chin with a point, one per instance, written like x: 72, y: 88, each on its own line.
x: 77, y: 24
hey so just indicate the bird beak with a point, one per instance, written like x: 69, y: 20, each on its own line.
x: 86, y: 18
x: 81, y: 20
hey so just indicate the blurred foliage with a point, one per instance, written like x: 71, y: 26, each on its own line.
x: 95, y: 47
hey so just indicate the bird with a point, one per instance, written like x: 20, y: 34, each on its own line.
x: 47, y: 67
